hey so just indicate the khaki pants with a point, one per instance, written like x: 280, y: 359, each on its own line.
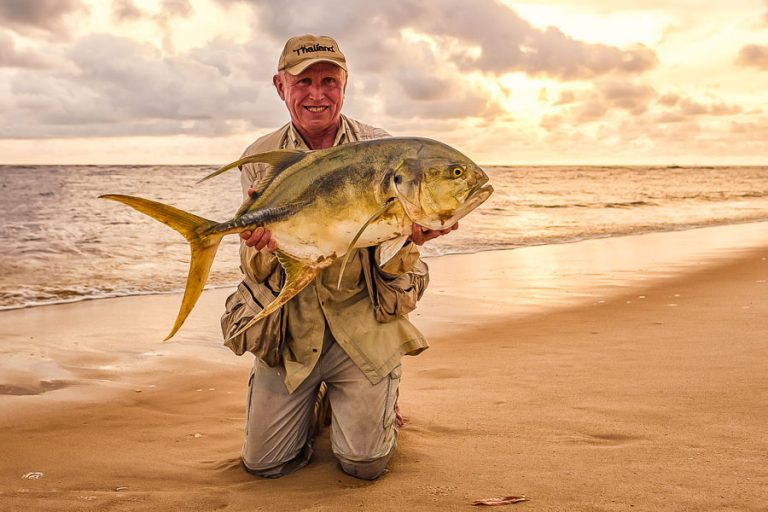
x: 278, y: 431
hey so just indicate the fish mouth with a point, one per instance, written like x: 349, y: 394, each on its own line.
x: 447, y: 219
x: 480, y: 194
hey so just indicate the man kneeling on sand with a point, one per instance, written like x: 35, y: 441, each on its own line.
x: 328, y: 349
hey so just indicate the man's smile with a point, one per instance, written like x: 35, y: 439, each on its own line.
x: 316, y: 109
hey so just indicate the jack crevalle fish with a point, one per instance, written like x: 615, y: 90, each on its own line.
x: 321, y: 204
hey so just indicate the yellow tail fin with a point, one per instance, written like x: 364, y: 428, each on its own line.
x: 202, y: 244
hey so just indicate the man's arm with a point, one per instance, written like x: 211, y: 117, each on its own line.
x: 256, y: 259
x: 401, y: 281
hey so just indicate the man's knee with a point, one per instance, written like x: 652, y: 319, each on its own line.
x: 365, y: 469
x: 264, y: 471
x: 263, y: 466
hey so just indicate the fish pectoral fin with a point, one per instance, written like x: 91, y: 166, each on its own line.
x: 297, y: 276
x: 376, y: 215
x: 388, y: 249
x: 278, y: 159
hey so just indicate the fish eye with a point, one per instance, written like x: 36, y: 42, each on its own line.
x: 456, y: 171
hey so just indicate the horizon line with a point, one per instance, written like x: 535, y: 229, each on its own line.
x: 529, y: 164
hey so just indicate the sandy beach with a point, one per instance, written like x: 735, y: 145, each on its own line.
x: 616, y: 374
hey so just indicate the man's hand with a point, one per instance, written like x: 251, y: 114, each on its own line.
x: 259, y: 238
x: 421, y: 235
x: 400, y: 420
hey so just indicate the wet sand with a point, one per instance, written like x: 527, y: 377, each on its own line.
x: 585, y: 382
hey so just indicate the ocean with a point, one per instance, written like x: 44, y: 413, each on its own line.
x: 62, y: 244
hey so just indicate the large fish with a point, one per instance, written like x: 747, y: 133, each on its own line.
x: 321, y: 204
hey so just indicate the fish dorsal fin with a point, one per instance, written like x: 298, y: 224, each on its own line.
x: 297, y: 276
x: 279, y: 159
x: 376, y: 215
x: 388, y: 249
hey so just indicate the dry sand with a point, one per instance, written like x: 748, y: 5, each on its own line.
x: 642, y: 389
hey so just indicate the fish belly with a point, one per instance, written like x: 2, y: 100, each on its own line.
x: 304, y: 238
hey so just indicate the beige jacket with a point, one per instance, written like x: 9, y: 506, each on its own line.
x: 367, y: 314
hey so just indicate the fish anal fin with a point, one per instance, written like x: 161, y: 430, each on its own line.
x: 297, y: 276
x: 388, y: 249
x: 376, y: 215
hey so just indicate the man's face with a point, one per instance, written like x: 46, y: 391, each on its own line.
x: 313, y: 97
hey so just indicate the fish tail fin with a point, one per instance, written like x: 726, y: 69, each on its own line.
x: 202, y: 243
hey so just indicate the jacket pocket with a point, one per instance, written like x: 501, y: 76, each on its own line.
x: 396, y: 295
x: 393, y: 391
x: 264, y: 339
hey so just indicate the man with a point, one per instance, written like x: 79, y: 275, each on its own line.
x: 340, y: 344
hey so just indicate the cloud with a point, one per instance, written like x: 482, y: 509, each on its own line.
x: 565, y: 98
x: 689, y: 107
x: 681, y: 109
x: 177, y: 8
x: 120, y: 87
x: 508, y: 43
x: 634, y: 98
x: 642, y: 101
x: 416, y: 93
x: 765, y: 16
x: 125, y: 10
x: 12, y: 57
x: 444, y: 68
x: 34, y: 16
x: 669, y: 99
x: 475, y: 36
x: 417, y: 85
x: 628, y: 104
x: 753, y: 56
x: 551, y: 53
x: 416, y: 67
x: 756, y: 129
x: 170, y: 11
x: 420, y: 55
x: 603, y: 99
x: 462, y: 105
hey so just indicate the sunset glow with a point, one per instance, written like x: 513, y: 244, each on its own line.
x: 556, y: 82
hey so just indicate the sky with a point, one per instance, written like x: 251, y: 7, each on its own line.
x: 596, y: 82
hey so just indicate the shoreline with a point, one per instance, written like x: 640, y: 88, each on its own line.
x: 642, y: 390
x: 465, y: 290
x: 509, y: 284
x: 752, y: 227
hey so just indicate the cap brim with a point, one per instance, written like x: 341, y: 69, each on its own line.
x: 301, y: 66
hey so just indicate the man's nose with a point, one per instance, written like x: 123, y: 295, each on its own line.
x: 315, y: 91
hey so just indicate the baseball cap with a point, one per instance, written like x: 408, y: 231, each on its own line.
x: 300, y: 52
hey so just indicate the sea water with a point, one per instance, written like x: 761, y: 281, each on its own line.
x: 60, y: 243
